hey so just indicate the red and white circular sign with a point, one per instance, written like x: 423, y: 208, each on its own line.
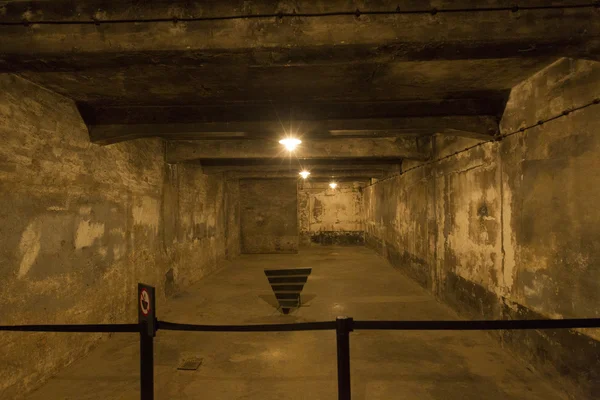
x: 145, y: 302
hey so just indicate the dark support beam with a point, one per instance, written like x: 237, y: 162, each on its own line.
x: 467, y: 134
x: 276, y: 40
x: 106, y: 134
x: 390, y: 148
x: 316, y: 110
x: 238, y: 83
x: 296, y: 166
x: 315, y: 175
x: 296, y: 162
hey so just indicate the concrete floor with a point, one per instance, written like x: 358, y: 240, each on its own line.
x: 302, y: 365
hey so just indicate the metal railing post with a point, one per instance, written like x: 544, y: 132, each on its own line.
x: 343, y: 328
x: 147, y: 321
x: 146, y: 365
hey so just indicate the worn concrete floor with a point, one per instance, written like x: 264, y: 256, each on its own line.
x: 302, y: 365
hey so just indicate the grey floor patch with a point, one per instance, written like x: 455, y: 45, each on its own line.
x: 190, y: 364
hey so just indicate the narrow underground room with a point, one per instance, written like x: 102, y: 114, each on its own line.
x: 298, y: 199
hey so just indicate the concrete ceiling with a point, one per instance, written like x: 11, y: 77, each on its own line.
x: 332, y: 79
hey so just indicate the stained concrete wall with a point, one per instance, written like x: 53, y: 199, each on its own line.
x: 205, y: 223
x: 81, y: 224
x: 269, y: 215
x: 509, y: 230
x: 330, y: 216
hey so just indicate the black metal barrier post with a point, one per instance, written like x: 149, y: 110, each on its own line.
x: 147, y: 322
x: 343, y: 327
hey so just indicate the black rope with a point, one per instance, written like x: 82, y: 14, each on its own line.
x: 393, y: 325
x: 83, y: 328
x: 320, y: 326
x: 478, y: 325
x: 304, y: 326
x: 280, y: 15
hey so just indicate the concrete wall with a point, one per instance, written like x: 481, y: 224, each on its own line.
x: 510, y: 230
x: 205, y: 222
x: 81, y: 224
x: 330, y: 216
x: 269, y: 215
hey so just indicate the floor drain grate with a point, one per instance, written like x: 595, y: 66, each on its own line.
x: 190, y: 364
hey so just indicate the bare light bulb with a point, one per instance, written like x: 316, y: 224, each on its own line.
x: 333, y: 185
x: 304, y: 174
x: 290, y: 143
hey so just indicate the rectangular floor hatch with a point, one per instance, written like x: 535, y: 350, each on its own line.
x: 190, y: 364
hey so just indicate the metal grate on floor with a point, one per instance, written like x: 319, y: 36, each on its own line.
x: 191, y: 364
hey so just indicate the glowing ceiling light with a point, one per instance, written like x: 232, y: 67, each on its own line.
x: 333, y: 185
x: 290, y: 143
x: 304, y: 174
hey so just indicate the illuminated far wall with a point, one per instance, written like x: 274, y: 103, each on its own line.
x: 330, y: 216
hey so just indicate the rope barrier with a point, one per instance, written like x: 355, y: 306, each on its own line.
x: 478, y: 325
x: 326, y: 325
x: 280, y: 15
x: 304, y: 326
x: 83, y: 328
x: 148, y: 326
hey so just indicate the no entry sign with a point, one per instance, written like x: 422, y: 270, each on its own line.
x: 146, y: 308
x: 144, y: 302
